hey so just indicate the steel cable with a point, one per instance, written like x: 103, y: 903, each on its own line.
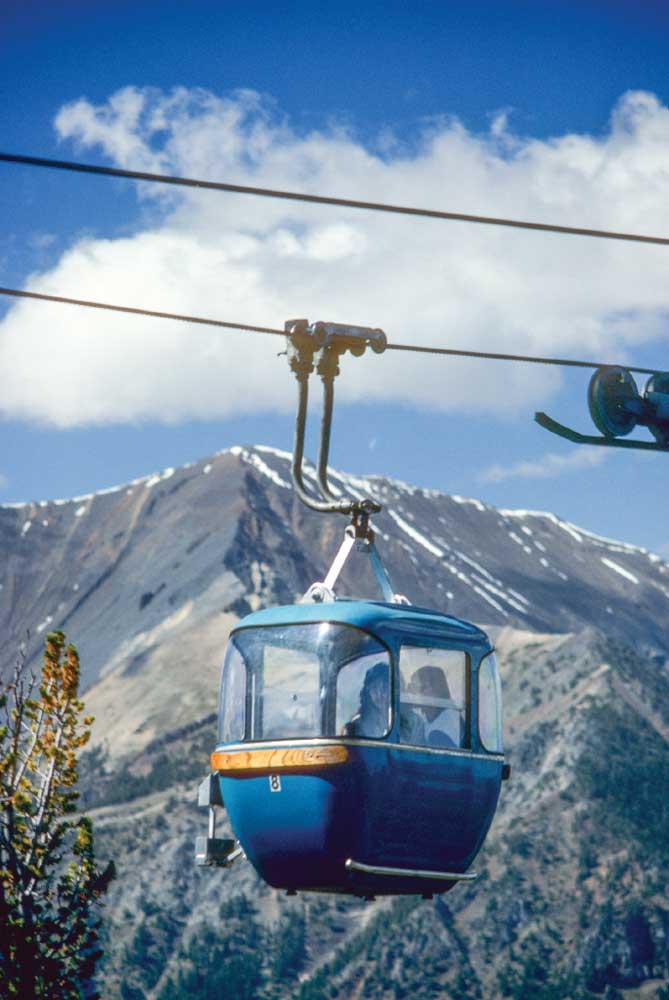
x: 252, y: 328
x: 204, y: 321
x: 317, y: 199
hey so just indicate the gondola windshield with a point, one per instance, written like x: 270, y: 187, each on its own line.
x: 304, y: 681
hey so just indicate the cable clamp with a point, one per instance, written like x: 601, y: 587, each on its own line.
x: 340, y: 337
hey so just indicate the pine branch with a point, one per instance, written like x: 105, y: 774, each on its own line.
x: 48, y: 947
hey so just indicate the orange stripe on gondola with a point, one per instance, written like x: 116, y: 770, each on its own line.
x: 278, y: 759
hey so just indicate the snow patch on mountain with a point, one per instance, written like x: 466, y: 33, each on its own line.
x: 416, y: 535
x: 619, y: 569
x: 263, y: 468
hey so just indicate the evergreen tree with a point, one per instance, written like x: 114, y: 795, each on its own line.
x: 49, y: 880
x: 289, y: 947
x: 213, y: 967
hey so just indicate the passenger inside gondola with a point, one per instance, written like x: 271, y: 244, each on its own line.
x: 371, y: 717
x: 440, y: 714
x: 430, y: 714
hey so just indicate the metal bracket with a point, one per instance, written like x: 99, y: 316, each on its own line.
x: 617, y: 407
x: 360, y: 536
x: 212, y: 850
x: 610, y: 442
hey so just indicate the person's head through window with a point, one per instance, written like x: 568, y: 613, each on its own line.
x: 371, y: 718
x: 430, y: 682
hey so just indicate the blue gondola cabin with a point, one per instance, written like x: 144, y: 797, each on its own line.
x: 360, y: 746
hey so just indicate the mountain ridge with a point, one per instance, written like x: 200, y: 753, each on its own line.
x: 456, y: 553
x: 248, y: 454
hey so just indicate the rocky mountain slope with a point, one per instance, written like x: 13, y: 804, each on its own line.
x: 573, y: 898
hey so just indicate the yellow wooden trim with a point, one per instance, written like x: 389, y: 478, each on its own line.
x: 278, y: 758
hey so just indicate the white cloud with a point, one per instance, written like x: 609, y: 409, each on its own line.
x: 262, y: 261
x: 549, y: 466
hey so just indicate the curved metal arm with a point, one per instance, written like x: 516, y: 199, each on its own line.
x: 324, y: 447
x: 323, y: 506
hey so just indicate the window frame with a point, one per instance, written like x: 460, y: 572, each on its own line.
x: 331, y: 694
x: 500, y: 705
x: 467, y: 734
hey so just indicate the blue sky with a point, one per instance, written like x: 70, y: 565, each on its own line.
x: 499, y: 108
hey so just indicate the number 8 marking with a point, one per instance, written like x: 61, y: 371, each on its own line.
x: 274, y: 783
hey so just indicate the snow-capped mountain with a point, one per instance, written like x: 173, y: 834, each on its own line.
x: 125, y: 570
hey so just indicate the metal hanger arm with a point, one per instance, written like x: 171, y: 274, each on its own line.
x: 324, y: 447
x: 336, y: 506
x: 381, y: 574
x: 360, y: 536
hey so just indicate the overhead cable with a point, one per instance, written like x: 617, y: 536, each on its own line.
x: 63, y: 300
x: 251, y: 328
x: 317, y: 199
x: 532, y: 359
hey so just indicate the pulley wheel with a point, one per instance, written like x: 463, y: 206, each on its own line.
x: 610, y: 394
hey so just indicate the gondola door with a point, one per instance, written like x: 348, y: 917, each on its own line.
x: 429, y: 815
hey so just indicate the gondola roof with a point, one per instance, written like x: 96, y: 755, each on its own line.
x: 373, y: 615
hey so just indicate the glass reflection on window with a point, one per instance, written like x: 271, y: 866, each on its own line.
x: 231, y: 719
x: 291, y: 694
